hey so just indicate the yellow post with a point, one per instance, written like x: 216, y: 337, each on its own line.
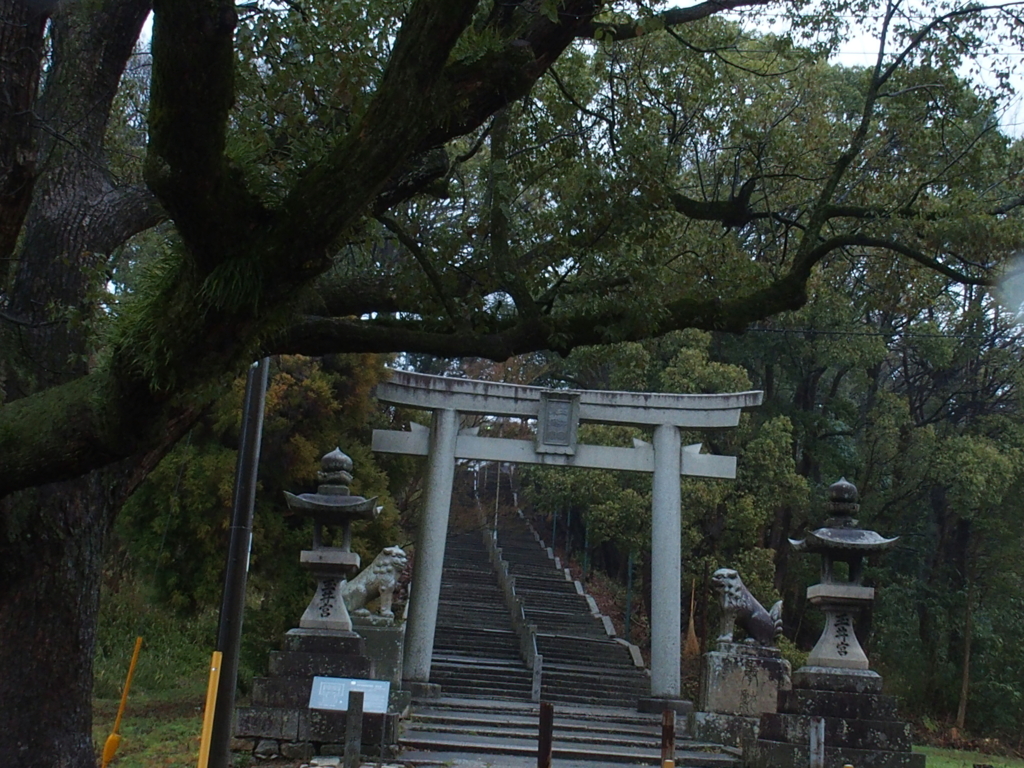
x: 211, y: 699
x: 114, y: 739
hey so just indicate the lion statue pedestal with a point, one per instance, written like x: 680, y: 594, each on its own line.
x: 741, y: 680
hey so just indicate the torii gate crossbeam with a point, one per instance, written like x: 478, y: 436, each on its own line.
x: 558, y: 413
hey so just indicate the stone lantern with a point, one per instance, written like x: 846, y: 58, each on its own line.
x: 322, y: 653
x: 841, y: 541
x: 836, y: 714
x: 331, y: 506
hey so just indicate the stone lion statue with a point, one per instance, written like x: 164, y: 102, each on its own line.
x: 379, y: 579
x: 741, y: 607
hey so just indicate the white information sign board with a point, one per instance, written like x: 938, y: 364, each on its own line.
x: 332, y: 693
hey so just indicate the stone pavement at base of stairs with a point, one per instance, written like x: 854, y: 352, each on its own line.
x: 421, y: 759
x: 464, y: 760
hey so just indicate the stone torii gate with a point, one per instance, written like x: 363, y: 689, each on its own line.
x: 558, y: 414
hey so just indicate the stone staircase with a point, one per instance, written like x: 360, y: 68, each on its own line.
x: 485, y: 706
x: 476, y: 652
x: 583, y: 663
x: 582, y: 734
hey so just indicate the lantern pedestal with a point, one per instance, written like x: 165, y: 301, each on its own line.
x: 836, y: 694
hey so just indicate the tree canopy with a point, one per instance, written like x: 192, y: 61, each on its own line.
x: 321, y: 165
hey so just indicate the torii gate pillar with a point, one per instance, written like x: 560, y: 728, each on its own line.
x: 426, y: 574
x: 558, y: 413
x: 666, y: 563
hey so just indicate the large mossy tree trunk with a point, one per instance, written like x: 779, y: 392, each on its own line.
x: 51, y: 552
x: 52, y: 536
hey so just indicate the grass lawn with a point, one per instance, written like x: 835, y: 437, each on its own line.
x: 158, y: 731
x: 952, y: 758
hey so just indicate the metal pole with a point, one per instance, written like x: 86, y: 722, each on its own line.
x: 586, y: 546
x: 629, y: 594
x: 229, y: 634
x: 668, y: 738
x: 497, y: 492
x: 545, y: 740
x: 568, y: 530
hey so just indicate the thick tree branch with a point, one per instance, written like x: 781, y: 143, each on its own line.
x: 317, y: 335
x: 673, y: 17
x: 915, y: 255
x: 329, y: 197
x: 77, y: 217
x: 1008, y: 205
x: 421, y: 173
x: 68, y: 430
x: 126, y: 212
x: 94, y: 420
x: 191, y: 93
x: 21, y: 44
x: 473, y: 91
x: 734, y: 212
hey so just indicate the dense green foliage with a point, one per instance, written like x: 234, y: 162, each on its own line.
x: 922, y: 410
x: 170, y: 544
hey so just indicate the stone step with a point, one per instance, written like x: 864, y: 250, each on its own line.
x: 581, y: 733
x: 460, y: 590
x: 556, y: 696
x: 485, y: 633
x: 613, y: 675
x: 621, y: 696
x: 463, y: 634
x: 618, y: 697
x: 554, y: 583
x: 529, y: 731
x: 566, y: 623
x: 585, y: 657
x: 481, y: 672
x: 484, y: 719
x: 507, y: 653
x: 587, y: 653
x: 482, y: 693
x: 465, y: 619
x: 541, y: 597
x: 452, y: 617
x: 460, y: 685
